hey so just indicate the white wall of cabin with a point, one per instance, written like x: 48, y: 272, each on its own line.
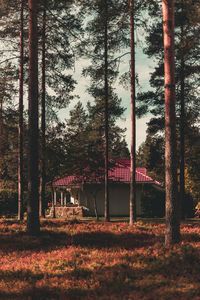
x: 119, y: 198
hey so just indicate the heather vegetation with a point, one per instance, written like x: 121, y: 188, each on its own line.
x: 41, y: 43
x: 74, y: 259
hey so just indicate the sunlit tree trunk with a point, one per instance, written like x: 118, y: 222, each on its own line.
x: 107, y: 216
x: 172, y: 234
x: 20, y: 126
x: 43, y: 141
x: 133, y: 123
x: 33, y: 223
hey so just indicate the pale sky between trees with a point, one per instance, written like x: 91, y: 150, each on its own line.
x: 143, y: 68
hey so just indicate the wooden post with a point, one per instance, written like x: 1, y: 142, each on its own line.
x: 55, y: 197
x: 61, y: 198
x: 65, y: 199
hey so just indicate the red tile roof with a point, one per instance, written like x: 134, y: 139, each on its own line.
x: 118, y: 173
x: 67, y: 180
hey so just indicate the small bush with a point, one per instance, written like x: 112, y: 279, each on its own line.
x: 197, y: 210
x: 8, y: 202
x: 188, y: 206
x: 153, y: 202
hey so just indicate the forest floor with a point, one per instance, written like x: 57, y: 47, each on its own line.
x: 96, y: 260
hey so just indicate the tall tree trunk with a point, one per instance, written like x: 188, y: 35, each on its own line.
x: 1, y: 138
x: 107, y: 215
x: 20, y: 127
x: 182, y: 129
x: 133, y: 123
x: 182, y: 142
x: 33, y: 222
x: 172, y: 234
x: 43, y: 129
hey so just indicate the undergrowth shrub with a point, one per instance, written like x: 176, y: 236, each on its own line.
x: 8, y: 202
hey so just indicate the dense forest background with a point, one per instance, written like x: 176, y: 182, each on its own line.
x: 72, y: 30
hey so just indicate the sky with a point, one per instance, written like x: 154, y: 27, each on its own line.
x: 143, y: 68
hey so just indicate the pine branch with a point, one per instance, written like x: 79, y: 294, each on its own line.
x: 62, y: 23
x: 8, y: 59
x: 119, y: 57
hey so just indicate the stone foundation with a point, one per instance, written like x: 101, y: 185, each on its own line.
x: 68, y: 211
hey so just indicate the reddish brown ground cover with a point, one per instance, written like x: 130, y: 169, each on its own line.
x: 89, y: 260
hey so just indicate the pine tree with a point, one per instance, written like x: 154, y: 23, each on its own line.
x: 20, y: 128
x: 76, y: 139
x: 107, y: 34
x: 43, y: 116
x: 151, y: 155
x: 55, y: 62
x: 59, y: 53
x: 133, y: 121
x: 7, y: 91
x: 172, y: 234
x: 33, y: 223
x: 60, y: 47
x: 83, y: 138
x: 187, y: 79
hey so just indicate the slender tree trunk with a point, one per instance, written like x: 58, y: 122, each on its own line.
x: 107, y: 215
x: 33, y: 222
x: 53, y: 205
x: 95, y: 208
x: 133, y: 123
x: 20, y: 127
x: 182, y: 132
x: 43, y: 141
x: 172, y: 234
x: 182, y: 143
x: 1, y: 138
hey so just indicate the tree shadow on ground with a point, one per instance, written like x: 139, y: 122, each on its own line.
x: 48, y: 240
x: 12, y: 240
x: 190, y: 237
x: 101, y: 239
x: 120, y: 281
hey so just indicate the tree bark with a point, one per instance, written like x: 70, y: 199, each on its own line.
x: 182, y: 131
x: 33, y: 222
x: 43, y: 121
x: 95, y: 208
x: 172, y: 234
x: 53, y: 205
x: 1, y: 139
x: 133, y: 122
x: 107, y: 215
x: 182, y: 143
x: 20, y: 127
